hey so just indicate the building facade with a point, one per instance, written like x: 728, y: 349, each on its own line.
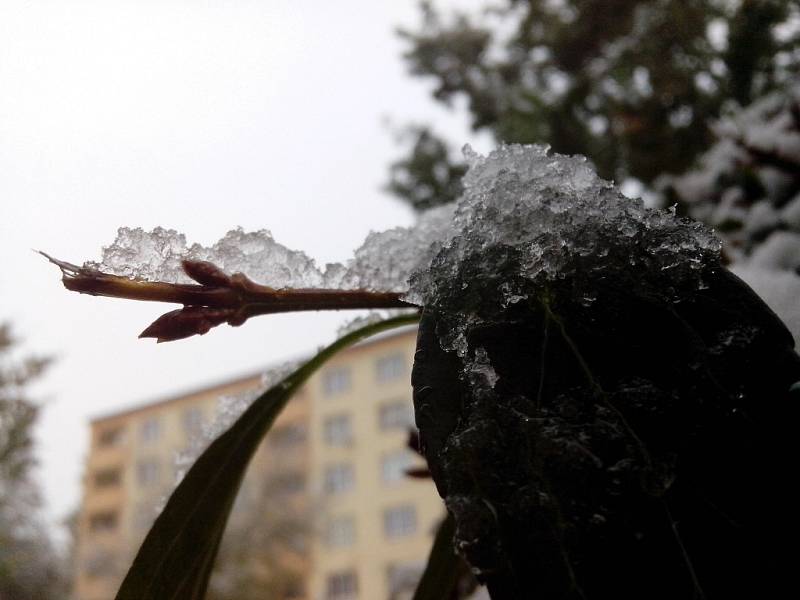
x: 333, y: 466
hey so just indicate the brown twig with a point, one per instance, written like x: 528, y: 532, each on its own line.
x: 216, y: 298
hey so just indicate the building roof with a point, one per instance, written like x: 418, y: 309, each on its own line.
x: 209, y: 388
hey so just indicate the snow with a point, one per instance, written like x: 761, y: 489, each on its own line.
x: 780, y: 251
x: 747, y: 186
x: 772, y: 271
x: 480, y: 370
x: 768, y: 127
x: 790, y: 214
x: 738, y: 185
x: 530, y: 219
x: 384, y: 261
x: 780, y: 289
x: 527, y: 219
x: 156, y: 256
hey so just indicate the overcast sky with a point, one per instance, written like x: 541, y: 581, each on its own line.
x: 199, y: 116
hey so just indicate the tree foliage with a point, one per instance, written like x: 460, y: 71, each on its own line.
x: 747, y: 186
x: 29, y: 569
x: 427, y: 175
x: 265, y: 545
x: 631, y: 84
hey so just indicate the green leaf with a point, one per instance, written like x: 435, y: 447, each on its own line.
x: 441, y: 573
x: 176, y: 558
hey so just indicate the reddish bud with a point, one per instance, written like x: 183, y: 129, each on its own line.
x: 206, y: 273
x: 186, y: 322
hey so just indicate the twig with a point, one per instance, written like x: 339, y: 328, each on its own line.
x: 216, y: 298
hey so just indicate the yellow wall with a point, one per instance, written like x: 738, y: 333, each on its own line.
x: 371, y: 553
x: 133, y: 503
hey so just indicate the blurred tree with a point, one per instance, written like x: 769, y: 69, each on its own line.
x: 631, y: 84
x: 747, y: 185
x: 29, y: 567
x: 427, y: 176
x: 263, y: 552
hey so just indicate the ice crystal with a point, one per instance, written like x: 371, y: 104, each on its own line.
x: 383, y: 262
x: 386, y: 259
x: 480, y: 370
x: 153, y: 255
x: 156, y: 256
x: 530, y: 220
x: 526, y: 218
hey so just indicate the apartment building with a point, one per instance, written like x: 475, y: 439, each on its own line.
x: 337, y: 453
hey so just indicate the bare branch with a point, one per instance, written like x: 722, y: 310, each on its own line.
x: 217, y: 297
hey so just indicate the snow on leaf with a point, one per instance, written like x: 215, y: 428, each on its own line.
x: 529, y: 219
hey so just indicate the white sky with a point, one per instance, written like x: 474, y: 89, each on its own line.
x: 199, y: 116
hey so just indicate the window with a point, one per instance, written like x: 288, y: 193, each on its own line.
x: 150, y: 430
x: 398, y: 414
x: 103, y: 521
x: 340, y: 532
x: 336, y: 381
x: 403, y: 578
x: 341, y: 586
x: 339, y: 478
x: 399, y: 521
x: 338, y: 430
x: 107, y: 478
x: 391, y: 367
x: 193, y: 421
x: 288, y: 435
x: 289, y: 483
x: 394, y: 465
x: 147, y: 472
x: 110, y: 437
x: 101, y: 563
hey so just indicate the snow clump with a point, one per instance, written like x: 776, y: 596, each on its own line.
x: 530, y: 222
x: 552, y: 212
x: 383, y: 262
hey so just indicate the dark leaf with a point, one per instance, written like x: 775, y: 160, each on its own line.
x: 444, y: 566
x: 176, y: 558
x: 633, y: 448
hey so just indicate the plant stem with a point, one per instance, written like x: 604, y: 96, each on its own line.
x: 217, y: 298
